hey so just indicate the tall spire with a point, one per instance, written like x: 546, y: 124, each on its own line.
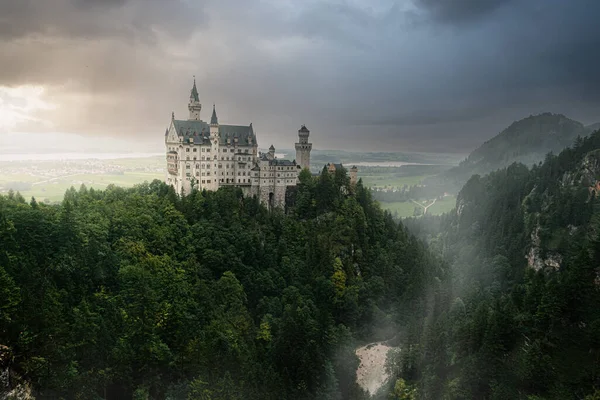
x: 194, y: 105
x: 195, y: 91
x: 213, y: 119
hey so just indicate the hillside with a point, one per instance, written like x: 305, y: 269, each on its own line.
x: 526, y: 141
x: 138, y: 293
x: 520, y: 317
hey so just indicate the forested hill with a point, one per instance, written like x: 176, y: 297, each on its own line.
x: 520, y: 318
x: 137, y: 293
x: 526, y: 141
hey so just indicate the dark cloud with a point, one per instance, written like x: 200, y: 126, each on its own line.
x: 443, y: 75
x: 460, y: 11
x: 94, y: 19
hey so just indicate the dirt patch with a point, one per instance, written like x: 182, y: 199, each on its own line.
x: 371, y: 374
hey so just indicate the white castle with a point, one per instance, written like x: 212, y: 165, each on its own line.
x: 211, y: 155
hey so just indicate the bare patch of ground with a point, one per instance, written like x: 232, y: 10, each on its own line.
x: 371, y: 374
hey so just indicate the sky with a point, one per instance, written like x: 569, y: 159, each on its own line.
x: 363, y: 75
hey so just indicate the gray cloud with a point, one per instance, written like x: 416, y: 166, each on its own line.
x: 435, y: 75
x: 460, y: 11
x: 94, y: 19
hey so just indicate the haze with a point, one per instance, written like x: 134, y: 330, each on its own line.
x: 421, y: 75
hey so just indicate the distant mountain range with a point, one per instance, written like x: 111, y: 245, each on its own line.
x: 526, y: 141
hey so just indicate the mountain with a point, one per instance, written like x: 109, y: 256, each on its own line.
x: 526, y: 141
x: 519, y: 316
x: 593, y: 127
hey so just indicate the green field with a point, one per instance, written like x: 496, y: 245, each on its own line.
x: 54, y: 190
x: 391, y: 180
x: 408, y: 175
x: 405, y: 209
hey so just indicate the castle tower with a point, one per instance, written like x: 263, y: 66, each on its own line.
x: 194, y: 105
x: 271, y: 154
x: 213, y: 119
x: 303, y: 148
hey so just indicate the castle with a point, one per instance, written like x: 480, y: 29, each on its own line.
x: 208, y: 156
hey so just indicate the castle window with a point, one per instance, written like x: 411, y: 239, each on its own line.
x: 194, y: 158
x: 195, y: 149
x: 203, y: 181
x: 187, y: 149
x: 208, y: 181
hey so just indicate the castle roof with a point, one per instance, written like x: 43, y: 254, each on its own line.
x: 213, y: 119
x: 304, y: 129
x: 195, y: 92
x: 282, y: 163
x: 199, y: 132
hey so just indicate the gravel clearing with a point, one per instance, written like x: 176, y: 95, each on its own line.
x: 371, y: 374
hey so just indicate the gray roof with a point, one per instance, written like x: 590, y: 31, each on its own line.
x: 282, y: 163
x: 199, y: 131
x: 213, y: 119
x: 195, y: 92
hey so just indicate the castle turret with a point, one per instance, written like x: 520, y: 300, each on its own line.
x: 303, y: 148
x: 194, y: 105
x: 213, y: 119
x: 271, y: 154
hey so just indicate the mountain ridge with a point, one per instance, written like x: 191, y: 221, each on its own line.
x: 527, y: 140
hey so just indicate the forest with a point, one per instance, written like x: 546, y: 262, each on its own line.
x: 140, y: 293
x: 518, y: 317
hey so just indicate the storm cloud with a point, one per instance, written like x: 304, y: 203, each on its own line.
x: 427, y: 75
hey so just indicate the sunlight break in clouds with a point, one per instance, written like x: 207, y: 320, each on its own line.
x: 20, y: 104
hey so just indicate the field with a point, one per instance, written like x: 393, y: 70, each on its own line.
x: 403, y: 209
x: 48, y: 180
x: 406, y: 175
x: 54, y: 190
x: 388, y: 180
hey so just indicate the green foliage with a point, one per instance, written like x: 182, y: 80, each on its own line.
x: 140, y: 293
x: 518, y: 317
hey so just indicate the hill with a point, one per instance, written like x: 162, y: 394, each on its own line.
x: 593, y: 127
x: 526, y: 141
x: 519, y: 317
x: 139, y: 293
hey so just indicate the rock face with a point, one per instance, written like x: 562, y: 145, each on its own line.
x: 371, y: 373
x: 535, y: 261
x: 10, y: 387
